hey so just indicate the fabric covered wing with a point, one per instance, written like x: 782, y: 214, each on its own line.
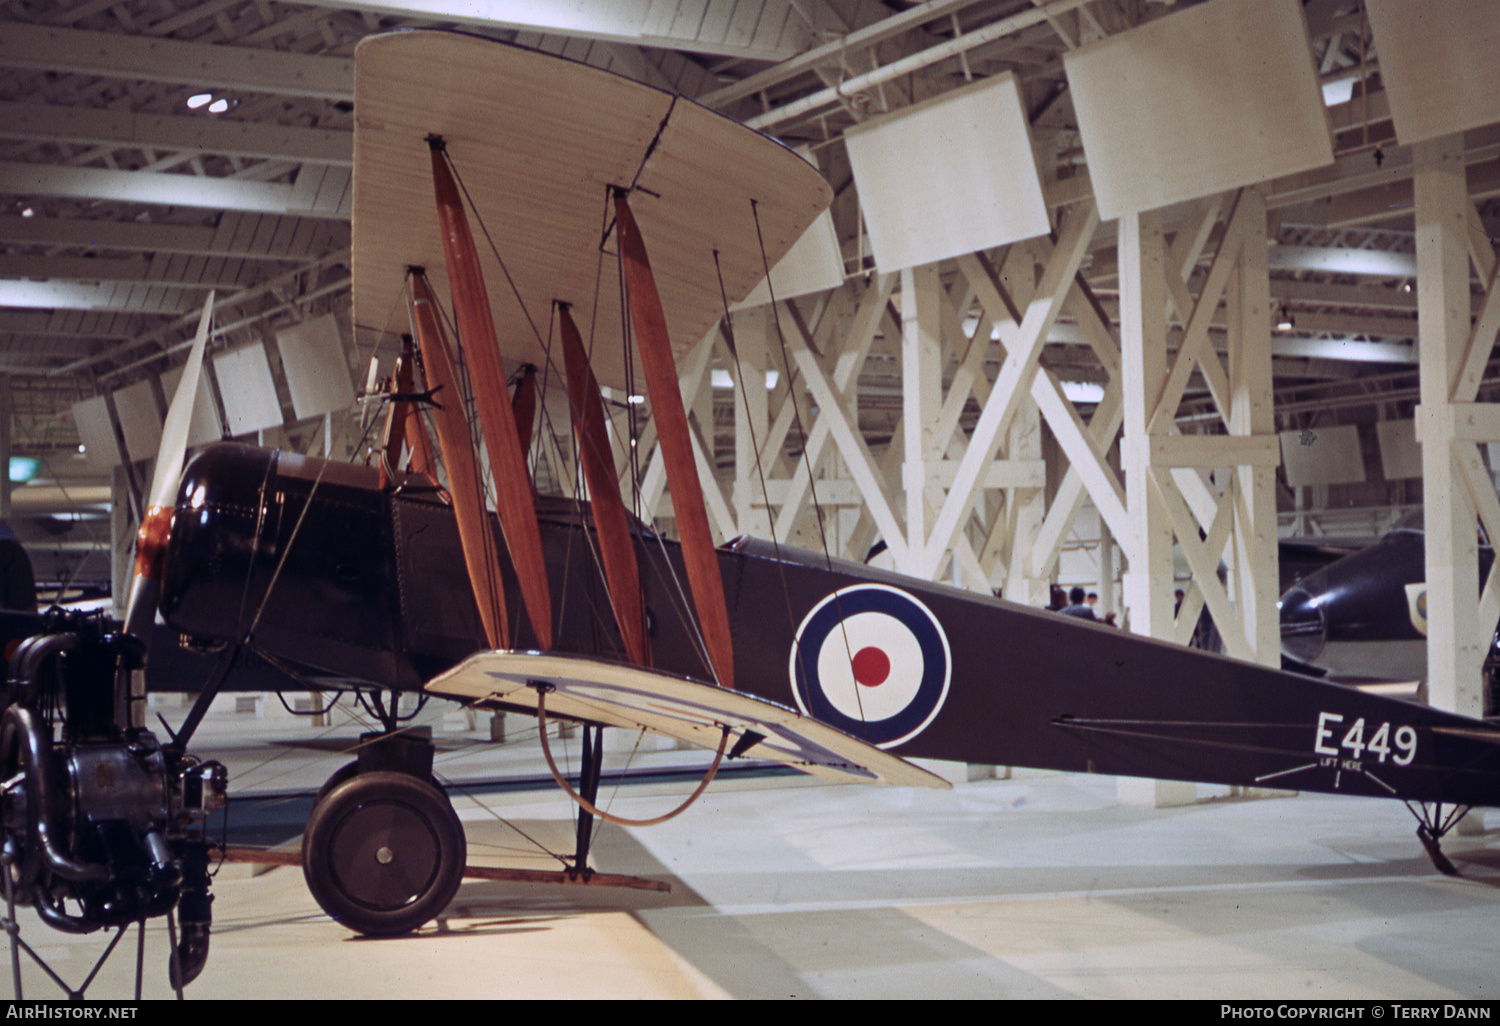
x: 538, y: 140
x: 619, y: 695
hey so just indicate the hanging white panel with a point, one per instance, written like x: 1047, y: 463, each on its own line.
x: 317, y: 374
x: 1215, y: 97
x: 813, y: 264
x: 96, y: 432
x: 140, y: 420
x: 1322, y: 456
x: 1438, y: 64
x: 204, y: 426
x: 1400, y: 453
x: 948, y: 176
x: 250, y: 401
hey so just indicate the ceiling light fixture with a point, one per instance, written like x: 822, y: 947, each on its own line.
x: 1285, y: 322
x: 199, y: 100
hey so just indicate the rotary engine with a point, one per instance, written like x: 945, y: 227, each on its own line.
x: 102, y: 825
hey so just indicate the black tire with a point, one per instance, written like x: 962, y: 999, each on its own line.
x: 383, y: 853
x: 345, y: 772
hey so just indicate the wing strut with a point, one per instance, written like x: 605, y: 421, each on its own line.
x: 481, y: 558
x: 403, y: 425
x: 698, y: 554
x: 497, y: 420
x: 611, y: 522
x: 524, y: 403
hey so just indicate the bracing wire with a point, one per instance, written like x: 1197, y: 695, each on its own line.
x: 802, y: 433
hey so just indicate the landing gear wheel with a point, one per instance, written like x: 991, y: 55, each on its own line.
x: 383, y: 853
x: 345, y: 772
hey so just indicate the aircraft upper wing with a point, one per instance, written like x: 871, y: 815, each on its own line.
x: 621, y: 695
x: 537, y: 141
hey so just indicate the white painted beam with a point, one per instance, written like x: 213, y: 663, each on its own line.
x: 111, y: 54
x: 1143, y: 363
x: 314, y: 194
x: 947, y: 50
x: 1351, y: 349
x: 119, y: 298
x: 834, y: 50
x: 1015, y: 373
x: 245, y: 236
x: 203, y: 132
x: 760, y: 30
x: 1456, y: 645
x: 1342, y: 260
x: 133, y: 271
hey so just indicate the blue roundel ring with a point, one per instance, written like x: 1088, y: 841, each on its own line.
x: 913, y: 664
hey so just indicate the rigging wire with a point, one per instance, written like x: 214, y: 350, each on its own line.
x: 727, y: 332
x: 515, y: 290
x: 493, y: 581
x: 812, y: 489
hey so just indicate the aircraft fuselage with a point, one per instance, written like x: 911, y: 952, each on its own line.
x: 317, y: 565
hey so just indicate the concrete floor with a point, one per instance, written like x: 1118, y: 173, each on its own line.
x: 1044, y: 886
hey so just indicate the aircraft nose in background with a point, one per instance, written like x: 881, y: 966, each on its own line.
x: 1304, y: 628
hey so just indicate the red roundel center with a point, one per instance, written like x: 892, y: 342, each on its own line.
x: 871, y: 666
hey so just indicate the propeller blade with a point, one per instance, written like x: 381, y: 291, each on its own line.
x: 174, y: 433
x: 151, y: 540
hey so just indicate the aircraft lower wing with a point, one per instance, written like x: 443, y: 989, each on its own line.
x: 620, y: 695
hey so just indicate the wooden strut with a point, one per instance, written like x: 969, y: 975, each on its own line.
x: 524, y: 403
x: 403, y: 424
x: 698, y: 553
x: 611, y: 521
x: 481, y: 557
x: 476, y: 328
x: 268, y: 857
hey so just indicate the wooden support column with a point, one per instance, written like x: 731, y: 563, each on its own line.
x: 1024, y: 511
x: 922, y: 402
x: 751, y: 420
x: 1016, y: 380
x: 1456, y: 640
x: 1251, y: 413
x: 692, y: 377
x: 1143, y: 367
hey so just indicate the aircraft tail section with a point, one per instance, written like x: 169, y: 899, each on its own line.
x: 924, y: 670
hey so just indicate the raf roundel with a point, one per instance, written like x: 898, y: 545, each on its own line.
x: 872, y: 661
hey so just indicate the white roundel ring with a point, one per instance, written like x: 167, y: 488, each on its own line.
x: 872, y: 661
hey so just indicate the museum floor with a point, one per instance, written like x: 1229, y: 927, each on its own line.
x: 1040, y: 886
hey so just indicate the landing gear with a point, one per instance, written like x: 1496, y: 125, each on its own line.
x: 1432, y: 825
x: 383, y: 853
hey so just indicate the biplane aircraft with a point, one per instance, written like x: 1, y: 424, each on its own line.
x: 1364, y: 616
x: 612, y: 212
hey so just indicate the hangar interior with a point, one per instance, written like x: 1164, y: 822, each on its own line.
x: 1113, y: 293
